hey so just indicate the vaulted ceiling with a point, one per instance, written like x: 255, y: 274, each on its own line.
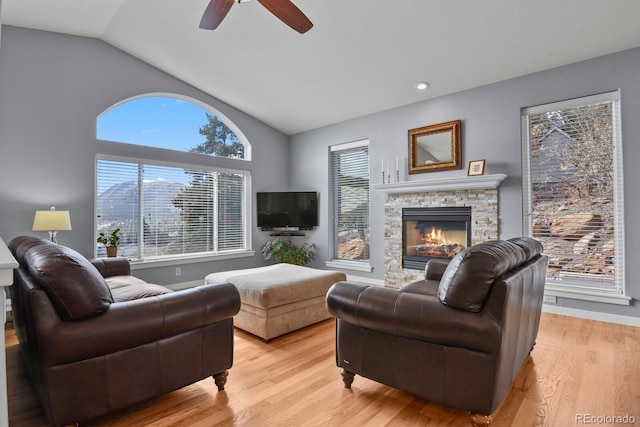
x: 361, y: 56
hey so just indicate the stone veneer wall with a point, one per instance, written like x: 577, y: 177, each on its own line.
x: 484, y: 224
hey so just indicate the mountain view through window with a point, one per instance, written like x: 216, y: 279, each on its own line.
x: 165, y: 210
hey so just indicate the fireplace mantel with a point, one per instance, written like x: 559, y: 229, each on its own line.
x: 481, y: 182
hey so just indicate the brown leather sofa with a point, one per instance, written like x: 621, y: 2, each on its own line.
x: 96, y: 339
x: 458, y: 338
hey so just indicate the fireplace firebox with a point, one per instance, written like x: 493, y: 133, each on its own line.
x: 439, y: 232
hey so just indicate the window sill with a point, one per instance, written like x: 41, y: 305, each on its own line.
x: 350, y: 265
x: 138, y: 264
x: 586, y: 295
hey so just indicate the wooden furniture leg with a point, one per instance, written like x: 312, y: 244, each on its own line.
x: 347, y: 378
x: 221, y: 379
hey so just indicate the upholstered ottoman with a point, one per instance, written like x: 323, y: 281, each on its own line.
x: 279, y: 298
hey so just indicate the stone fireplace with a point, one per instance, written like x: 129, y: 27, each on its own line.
x: 479, y: 195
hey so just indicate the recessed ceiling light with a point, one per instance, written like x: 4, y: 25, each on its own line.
x: 422, y: 85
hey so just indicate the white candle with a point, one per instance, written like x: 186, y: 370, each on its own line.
x: 388, y: 167
x: 382, y: 166
x: 397, y: 165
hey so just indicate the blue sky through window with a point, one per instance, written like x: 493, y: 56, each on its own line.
x: 161, y: 122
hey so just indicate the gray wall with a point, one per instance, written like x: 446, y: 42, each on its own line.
x: 52, y: 88
x: 490, y: 130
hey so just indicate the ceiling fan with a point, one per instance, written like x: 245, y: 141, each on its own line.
x: 284, y: 10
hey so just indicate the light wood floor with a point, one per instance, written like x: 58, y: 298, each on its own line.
x: 577, y: 367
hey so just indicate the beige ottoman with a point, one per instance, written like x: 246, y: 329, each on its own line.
x: 279, y: 298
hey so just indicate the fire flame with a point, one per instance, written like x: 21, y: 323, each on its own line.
x: 436, y: 236
x: 436, y: 244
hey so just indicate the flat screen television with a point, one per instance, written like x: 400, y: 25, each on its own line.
x: 287, y: 209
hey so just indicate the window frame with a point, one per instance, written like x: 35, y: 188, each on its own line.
x: 357, y: 265
x: 183, y: 258
x: 577, y: 290
x: 135, y: 153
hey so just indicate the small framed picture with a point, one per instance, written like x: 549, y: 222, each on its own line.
x: 476, y: 167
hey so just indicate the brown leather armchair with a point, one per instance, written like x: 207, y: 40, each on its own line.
x: 96, y: 339
x: 457, y: 338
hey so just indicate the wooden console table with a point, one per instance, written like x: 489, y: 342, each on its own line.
x: 7, y: 265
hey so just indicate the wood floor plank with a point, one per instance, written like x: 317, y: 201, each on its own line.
x: 577, y: 366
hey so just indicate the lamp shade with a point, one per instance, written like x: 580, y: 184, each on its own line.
x: 51, y: 221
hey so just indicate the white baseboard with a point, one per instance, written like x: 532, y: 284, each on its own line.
x: 591, y: 315
x: 367, y: 280
x: 184, y: 285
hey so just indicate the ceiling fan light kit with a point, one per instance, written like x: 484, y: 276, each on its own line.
x: 284, y: 10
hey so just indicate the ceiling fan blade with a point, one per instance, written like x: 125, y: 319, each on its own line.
x: 288, y: 13
x: 215, y: 13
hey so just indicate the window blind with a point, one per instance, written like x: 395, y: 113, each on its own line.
x: 167, y: 211
x: 350, y: 193
x: 231, y: 208
x: 572, y: 190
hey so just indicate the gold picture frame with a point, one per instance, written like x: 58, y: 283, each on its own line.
x: 435, y: 148
x: 476, y: 167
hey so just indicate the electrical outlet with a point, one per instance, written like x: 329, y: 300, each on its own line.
x: 550, y: 299
x: 178, y: 271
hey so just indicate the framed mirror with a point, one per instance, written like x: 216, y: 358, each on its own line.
x: 435, y: 148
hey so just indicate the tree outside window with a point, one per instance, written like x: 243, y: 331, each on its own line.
x: 572, y: 185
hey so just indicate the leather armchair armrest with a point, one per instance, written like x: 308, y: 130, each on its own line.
x: 435, y: 268
x: 130, y: 324
x: 109, y: 267
x: 414, y: 316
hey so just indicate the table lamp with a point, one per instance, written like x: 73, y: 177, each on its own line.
x: 52, y: 221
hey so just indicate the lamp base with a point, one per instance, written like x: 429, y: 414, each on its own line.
x: 52, y: 236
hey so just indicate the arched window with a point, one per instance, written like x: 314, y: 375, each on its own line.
x: 166, y: 209
x: 172, y: 123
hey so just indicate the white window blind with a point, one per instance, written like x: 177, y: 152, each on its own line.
x: 230, y: 211
x: 350, y: 192
x: 168, y: 211
x: 572, y: 190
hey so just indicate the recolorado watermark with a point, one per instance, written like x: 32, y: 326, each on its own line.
x: 605, y: 419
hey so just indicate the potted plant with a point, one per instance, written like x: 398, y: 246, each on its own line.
x: 111, y: 241
x: 285, y: 251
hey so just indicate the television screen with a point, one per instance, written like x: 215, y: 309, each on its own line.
x: 287, y: 209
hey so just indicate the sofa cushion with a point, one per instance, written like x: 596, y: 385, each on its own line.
x: 129, y: 288
x: 74, y: 285
x: 467, y: 280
